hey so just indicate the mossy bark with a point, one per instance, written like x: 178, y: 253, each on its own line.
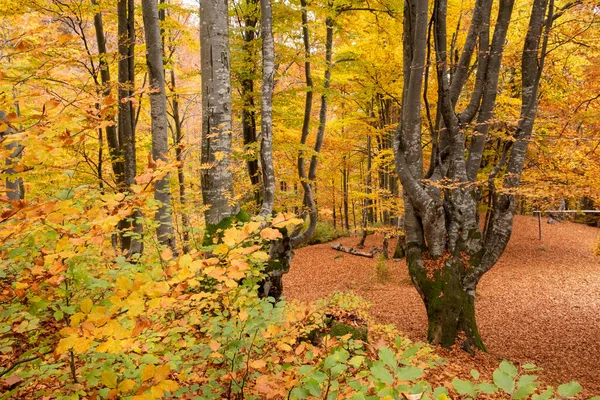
x: 450, y: 305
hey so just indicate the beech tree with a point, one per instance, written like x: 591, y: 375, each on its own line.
x: 447, y: 251
x: 158, y: 112
x: 216, y: 175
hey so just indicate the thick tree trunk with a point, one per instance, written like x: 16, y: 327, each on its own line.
x: 216, y: 175
x: 158, y: 113
x: 447, y: 253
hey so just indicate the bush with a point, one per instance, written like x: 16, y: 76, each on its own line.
x: 78, y: 322
x: 325, y: 232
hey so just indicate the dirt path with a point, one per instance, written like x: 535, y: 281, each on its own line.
x: 540, y: 303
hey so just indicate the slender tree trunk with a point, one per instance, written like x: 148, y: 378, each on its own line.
x: 112, y: 138
x: 247, y: 78
x: 126, y: 126
x: 14, y: 186
x: 159, y: 124
x: 307, y: 181
x: 216, y: 176
x: 266, y: 147
x: 185, y: 219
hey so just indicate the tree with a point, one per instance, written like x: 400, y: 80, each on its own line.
x: 266, y: 146
x: 447, y: 252
x: 158, y: 111
x: 216, y: 175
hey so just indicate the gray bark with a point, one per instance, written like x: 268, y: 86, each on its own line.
x: 126, y: 125
x: 15, y: 189
x: 305, y: 180
x: 247, y: 77
x: 447, y: 253
x: 114, y: 147
x: 159, y: 124
x: 266, y: 148
x: 216, y: 176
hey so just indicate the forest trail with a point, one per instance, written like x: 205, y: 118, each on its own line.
x: 539, y: 304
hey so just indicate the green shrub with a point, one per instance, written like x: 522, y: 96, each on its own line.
x: 325, y: 232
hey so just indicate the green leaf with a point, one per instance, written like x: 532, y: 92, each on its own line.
x: 300, y: 393
x: 388, y: 357
x: 409, y: 373
x: 527, y: 380
x: 463, y: 387
x: 509, y: 368
x: 546, y: 395
x: 411, y: 351
x: 529, y: 366
x: 569, y: 389
x: 487, y: 388
x: 149, y: 359
x: 440, y: 391
x: 504, y: 381
x: 475, y: 374
x: 524, y: 391
x: 313, y: 387
x: 330, y: 361
x: 382, y: 374
x: 305, y: 369
x: 356, y: 361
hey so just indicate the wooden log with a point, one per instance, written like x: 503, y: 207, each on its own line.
x: 352, y: 251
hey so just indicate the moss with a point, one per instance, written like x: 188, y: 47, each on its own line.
x: 341, y: 329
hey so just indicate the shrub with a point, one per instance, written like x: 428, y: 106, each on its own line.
x: 325, y: 232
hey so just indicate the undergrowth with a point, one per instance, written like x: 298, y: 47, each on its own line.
x: 79, y: 320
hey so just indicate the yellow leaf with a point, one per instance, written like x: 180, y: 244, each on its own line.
x: 157, y: 289
x: 81, y: 346
x: 109, y: 379
x: 135, y: 304
x: 148, y: 372
x: 86, y: 305
x: 157, y: 392
x: 243, y: 315
x: 214, y: 345
x: 270, y: 234
x: 233, y: 236
x: 161, y: 373
x: 166, y: 254
x: 185, y: 261
x: 126, y: 385
x: 258, y: 364
x: 168, y: 385
x: 66, y: 344
x: 123, y: 283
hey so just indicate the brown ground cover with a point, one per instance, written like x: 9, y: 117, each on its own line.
x: 540, y: 303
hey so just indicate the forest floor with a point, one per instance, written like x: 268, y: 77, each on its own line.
x: 539, y: 304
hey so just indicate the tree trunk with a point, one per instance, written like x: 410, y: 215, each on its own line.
x: 266, y: 147
x: 216, y: 176
x: 112, y: 138
x: 185, y: 219
x: 14, y: 186
x: 247, y: 77
x: 447, y: 253
x: 158, y: 112
x: 126, y: 126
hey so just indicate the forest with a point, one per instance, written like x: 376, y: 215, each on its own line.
x: 236, y: 199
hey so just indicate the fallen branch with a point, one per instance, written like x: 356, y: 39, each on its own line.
x: 352, y: 251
